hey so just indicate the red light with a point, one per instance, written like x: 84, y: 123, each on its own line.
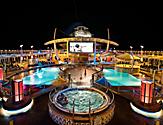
x: 146, y: 91
x: 18, y: 90
x: 1, y: 73
x: 21, y: 89
x: 142, y: 91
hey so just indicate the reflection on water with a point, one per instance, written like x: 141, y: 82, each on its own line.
x: 116, y: 78
x: 82, y: 100
x: 43, y: 76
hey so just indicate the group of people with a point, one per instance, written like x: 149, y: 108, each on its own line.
x: 62, y: 99
x: 85, y: 73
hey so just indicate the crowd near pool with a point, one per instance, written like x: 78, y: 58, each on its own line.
x: 116, y: 78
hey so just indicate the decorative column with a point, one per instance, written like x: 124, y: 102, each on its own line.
x: 67, y: 50
x: 17, y: 90
x: 146, y: 93
x: 55, y: 48
x: 95, y: 53
x: 107, y: 48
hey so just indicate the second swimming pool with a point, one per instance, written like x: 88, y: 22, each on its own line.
x: 116, y: 78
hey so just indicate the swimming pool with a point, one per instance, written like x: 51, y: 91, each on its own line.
x: 43, y: 76
x: 81, y: 104
x: 116, y: 78
x: 81, y: 99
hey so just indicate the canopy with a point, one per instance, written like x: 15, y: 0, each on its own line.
x: 136, y: 57
x: 125, y: 56
x: 103, y: 81
x: 85, y: 39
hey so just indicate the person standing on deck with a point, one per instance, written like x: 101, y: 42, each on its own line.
x: 85, y: 72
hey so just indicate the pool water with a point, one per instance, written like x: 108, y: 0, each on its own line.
x: 116, y: 78
x: 81, y: 99
x: 43, y: 76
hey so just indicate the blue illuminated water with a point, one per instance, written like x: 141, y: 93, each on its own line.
x: 44, y: 76
x: 116, y: 78
x: 82, y: 98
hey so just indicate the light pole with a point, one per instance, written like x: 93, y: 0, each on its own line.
x: 141, y: 59
x: 114, y: 50
x: 31, y: 46
x: 21, y: 58
x: 131, y: 48
x: 32, y: 52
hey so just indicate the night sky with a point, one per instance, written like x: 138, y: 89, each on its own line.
x: 33, y: 23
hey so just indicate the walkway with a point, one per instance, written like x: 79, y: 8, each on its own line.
x: 80, y: 76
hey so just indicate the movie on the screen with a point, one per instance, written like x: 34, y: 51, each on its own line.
x: 81, y: 47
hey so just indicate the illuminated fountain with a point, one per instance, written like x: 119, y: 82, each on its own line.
x: 81, y: 106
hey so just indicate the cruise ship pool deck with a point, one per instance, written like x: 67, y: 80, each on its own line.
x: 39, y: 113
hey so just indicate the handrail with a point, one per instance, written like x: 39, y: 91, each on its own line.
x: 107, y: 104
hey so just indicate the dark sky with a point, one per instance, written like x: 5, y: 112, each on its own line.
x: 33, y: 23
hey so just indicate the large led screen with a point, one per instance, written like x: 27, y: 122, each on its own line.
x: 81, y: 47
